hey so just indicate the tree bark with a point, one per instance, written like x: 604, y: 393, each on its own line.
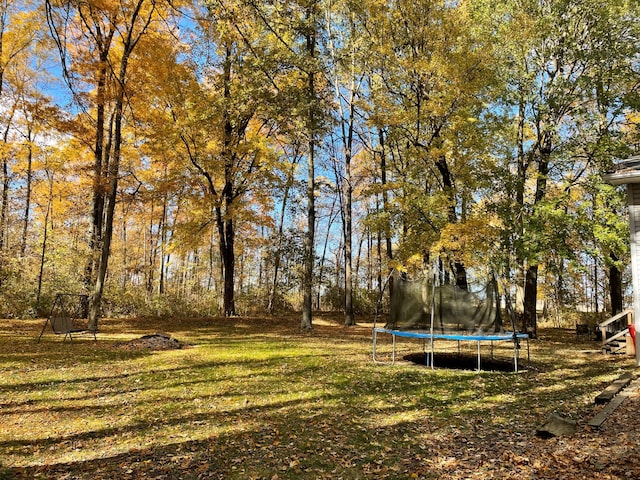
x: 309, y: 240
x: 615, y: 285
x: 27, y: 202
x: 4, y: 204
x: 6, y: 183
x: 277, y: 259
x: 349, y: 319
x: 130, y: 39
x: 459, y: 269
x: 309, y: 256
x: 385, y: 207
x: 111, y: 197
x: 162, y: 234
x: 529, y: 318
x: 519, y: 216
x: 45, y: 237
x: 225, y: 220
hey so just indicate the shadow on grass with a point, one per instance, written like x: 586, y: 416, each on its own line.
x: 464, y: 361
x: 313, y: 443
x: 285, y: 444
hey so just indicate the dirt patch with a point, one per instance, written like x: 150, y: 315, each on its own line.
x: 156, y: 341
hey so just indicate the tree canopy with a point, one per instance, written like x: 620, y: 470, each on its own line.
x: 236, y: 156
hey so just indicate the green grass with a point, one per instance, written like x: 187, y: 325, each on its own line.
x: 255, y: 398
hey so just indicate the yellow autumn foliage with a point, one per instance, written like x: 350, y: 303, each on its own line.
x: 471, y: 241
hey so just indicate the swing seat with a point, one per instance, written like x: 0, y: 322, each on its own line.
x: 69, y: 315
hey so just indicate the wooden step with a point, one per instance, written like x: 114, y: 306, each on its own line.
x: 615, y: 346
x: 613, y: 389
x: 606, y: 412
x: 616, y: 396
x: 614, y: 350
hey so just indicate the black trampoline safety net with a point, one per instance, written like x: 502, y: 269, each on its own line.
x: 415, y: 302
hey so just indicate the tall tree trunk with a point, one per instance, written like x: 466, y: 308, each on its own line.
x: 615, y: 285
x: 332, y: 216
x: 309, y: 240
x: 162, y: 229
x: 110, y: 198
x: 357, y: 276
x: 4, y: 202
x: 459, y: 269
x: 309, y: 257
x: 130, y: 39
x: 6, y: 183
x: 529, y: 316
x: 277, y: 257
x: 227, y: 253
x: 596, y: 290
x: 225, y: 220
x: 347, y: 144
x: 45, y: 236
x: 4, y: 205
x: 153, y: 250
x: 349, y: 319
x: 125, y: 252
x: 529, y: 319
x: 98, y: 192
x: 27, y: 201
x: 519, y: 205
x: 385, y: 207
x: 102, y: 38
x: 100, y: 160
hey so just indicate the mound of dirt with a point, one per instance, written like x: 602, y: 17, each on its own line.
x: 156, y: 341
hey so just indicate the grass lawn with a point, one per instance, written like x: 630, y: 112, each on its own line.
x: 256, y: 398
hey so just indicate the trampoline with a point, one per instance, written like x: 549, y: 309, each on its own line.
x: 421, y: 309
x: 431, y: 337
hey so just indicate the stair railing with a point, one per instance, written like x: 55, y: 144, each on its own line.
x: 616, y: 327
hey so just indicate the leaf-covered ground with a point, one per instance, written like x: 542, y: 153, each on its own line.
x: 255, y: 398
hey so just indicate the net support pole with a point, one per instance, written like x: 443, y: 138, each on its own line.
x: 433, y: 307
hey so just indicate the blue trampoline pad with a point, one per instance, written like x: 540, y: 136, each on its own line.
x: 506, y: 336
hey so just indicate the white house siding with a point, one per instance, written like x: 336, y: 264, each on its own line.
x: 633, y: 192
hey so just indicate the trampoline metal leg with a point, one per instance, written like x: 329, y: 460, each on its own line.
x: 478, y: 356
x: 432, y: 352
x: 393, y: 349
x: 375, y: 352
x: 375, y: 335
x: 375, y: 348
